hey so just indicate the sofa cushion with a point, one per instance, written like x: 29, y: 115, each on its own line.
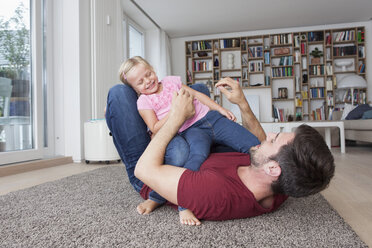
x: 358, y: 124
x: 357, y: 112
x: 347, y: 109
x: 367, y: 115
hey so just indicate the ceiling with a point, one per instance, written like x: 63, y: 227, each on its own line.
x: 180, y: 18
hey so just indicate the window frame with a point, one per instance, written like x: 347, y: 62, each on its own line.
x: 36, y: 13
x: 129, y: 22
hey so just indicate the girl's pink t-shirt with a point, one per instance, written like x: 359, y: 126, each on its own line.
x: 161, y: 102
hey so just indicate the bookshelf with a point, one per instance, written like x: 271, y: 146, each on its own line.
x: 303, y: 85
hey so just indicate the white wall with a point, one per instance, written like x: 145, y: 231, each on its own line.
x: 107, y: 50
x: 152, y: 51
x: 178, y: 56
x: 81, y: 80
x: 66, y: 80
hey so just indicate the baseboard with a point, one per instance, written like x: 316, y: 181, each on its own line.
x: 7, y: 170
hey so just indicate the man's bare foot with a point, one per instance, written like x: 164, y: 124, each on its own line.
x: 188, y: 218
x: 147, y: 206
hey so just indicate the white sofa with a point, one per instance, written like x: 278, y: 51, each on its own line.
x: 358, y: 130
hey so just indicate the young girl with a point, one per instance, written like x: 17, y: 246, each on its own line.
x: 211, y: 122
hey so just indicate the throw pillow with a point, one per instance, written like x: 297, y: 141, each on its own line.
x: 347, y: 109
x: 367, y: 115
x: 357, y: 113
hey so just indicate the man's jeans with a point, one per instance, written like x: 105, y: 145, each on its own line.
x: 215, y: 128
x: 130, y: 135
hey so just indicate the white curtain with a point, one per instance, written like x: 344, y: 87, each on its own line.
x: 165, y: 68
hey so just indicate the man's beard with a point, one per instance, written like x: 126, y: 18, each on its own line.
x: 257, y: 159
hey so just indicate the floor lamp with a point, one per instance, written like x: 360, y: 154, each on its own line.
x: 352, y: 82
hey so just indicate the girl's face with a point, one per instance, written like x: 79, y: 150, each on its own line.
x: 143, y: 80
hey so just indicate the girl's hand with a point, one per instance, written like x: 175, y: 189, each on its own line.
x: 229, y: 115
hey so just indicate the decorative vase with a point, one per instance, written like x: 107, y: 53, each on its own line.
x: 230, y: 61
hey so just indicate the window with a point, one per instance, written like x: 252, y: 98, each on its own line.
x: 15, y: 77
x: 135, y: 42
x: 134, y: 39
x: 20, y: 77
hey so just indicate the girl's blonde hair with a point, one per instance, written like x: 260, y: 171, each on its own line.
x: 129, y: 64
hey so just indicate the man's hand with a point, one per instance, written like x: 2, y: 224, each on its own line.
x: 235, y: 94
x: 182, y: 107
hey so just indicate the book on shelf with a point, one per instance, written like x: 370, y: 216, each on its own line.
x: 275, y: 113
x: 282, y: 72
x: 201, y: 45
x: 255, y: 66
x: 279, y: 114
x: 304, y: 94
x: 244, y: 45
x: 318, y: 114
x: 361, y: 52
x: 267, y: 80
x: 315, y: 36
x: 281, y: 39
x: 347, y: 96
x: 267, y: 58
x: 189, y: 77
x: 297, y: 41
x: 317, y: 92
x: 328, y: 39
x: 303, y: 48
x: 344, y: 36
x: 328, y: 53
x: 229, y: 43
x: 330, y: 113
x: 297, y: 83
x: 250, y: 53
x: 237, y: 79
x: 244, y: 59
x: 329, y: 99
x: 316, y: 70
x: 361, y: 68
x: 202, y: 66
x: 360, y: 36
x: 344, y: 50
x: 304, y: 63
x: 297, y: 57
x: 285, y: 60
x: 329, y: 84
x: 298, y: 102
x: 255, y: 52
x: 329, y: 70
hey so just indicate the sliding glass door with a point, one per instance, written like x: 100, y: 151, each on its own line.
x: 21, y: 65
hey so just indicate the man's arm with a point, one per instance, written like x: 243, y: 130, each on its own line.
x: 236, y: 96
x: 152, y: 122
x: 210, y: 103
x: 150, y: 169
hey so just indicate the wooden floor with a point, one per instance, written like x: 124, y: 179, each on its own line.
x: 350, y: 192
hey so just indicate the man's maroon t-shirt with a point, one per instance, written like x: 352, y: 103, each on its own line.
x: 215, y: 192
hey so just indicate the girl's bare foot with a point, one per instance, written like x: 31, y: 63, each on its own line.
x: 188, y: 218
x: 147, y: 206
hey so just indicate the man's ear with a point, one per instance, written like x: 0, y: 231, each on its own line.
x: 272, y: 168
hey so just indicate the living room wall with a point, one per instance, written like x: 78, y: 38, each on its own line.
x: 178, y: 56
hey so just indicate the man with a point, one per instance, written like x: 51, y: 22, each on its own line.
x: 233, y: 185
